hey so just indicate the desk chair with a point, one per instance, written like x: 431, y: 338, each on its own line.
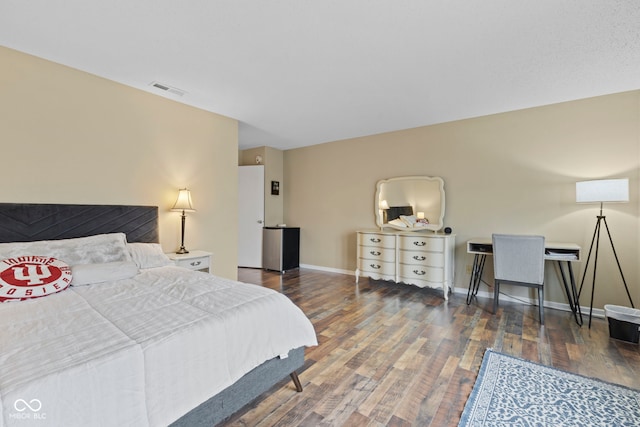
x: 519, y: 260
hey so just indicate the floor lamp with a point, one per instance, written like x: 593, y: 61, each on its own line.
x: 183, y: 203
x: 601, y: 191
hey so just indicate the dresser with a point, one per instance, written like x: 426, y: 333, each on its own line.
x: 421, y: 258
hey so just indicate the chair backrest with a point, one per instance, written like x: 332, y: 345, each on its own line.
x: 518, y: 258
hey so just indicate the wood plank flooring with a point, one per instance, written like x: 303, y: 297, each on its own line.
x: 398, y: 355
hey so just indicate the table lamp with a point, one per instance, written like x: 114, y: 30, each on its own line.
x: 384, y: 207
x: 183, y: 203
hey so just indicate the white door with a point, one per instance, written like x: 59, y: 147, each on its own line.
x: 250, y: 215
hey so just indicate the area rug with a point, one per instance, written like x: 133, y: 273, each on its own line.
x: 514, y: 392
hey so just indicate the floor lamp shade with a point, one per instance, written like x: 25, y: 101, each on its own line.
x: 602, y: 190
x: 183, y: 204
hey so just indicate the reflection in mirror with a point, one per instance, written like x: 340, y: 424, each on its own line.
x: 411, y: 203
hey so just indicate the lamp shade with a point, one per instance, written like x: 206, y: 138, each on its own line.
x: 183, y: 203
x: 602, y: 190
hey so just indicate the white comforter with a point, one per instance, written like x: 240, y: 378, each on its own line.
x: 139, y: 351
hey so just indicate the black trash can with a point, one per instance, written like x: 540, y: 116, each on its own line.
x: 624, y: 323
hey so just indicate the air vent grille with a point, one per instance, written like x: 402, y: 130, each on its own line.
x: 167, y: 88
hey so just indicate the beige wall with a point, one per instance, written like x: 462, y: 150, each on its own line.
x: 512, y: 172
x: 274, y: 171
x: 71, y: 137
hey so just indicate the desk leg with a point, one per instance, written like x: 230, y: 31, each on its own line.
x: 476, y: 276
x: 572, y: 294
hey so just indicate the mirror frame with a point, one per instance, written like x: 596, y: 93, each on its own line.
x: 435, y: 224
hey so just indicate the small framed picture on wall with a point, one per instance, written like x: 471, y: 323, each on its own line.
x: 275, y: 188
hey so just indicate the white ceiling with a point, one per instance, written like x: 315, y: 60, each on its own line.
x: 303, y: 72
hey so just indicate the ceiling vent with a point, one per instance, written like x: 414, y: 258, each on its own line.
x: 167, y: 88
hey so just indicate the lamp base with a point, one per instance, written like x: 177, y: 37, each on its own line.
x: 182, y: 250
x: 596, y: 239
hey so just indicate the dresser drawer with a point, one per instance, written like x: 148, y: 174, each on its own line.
x: 378, y: 267
x: 376, y: 240
x: 432, y: 259
x: 424, y: 243
x: 377, y: 253
x: 417, y: 272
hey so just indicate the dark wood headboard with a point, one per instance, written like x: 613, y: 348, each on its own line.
x: 25, y: 222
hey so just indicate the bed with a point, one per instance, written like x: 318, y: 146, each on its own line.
x: 98, y: 327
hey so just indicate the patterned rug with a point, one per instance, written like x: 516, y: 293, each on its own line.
x: 515, y: 392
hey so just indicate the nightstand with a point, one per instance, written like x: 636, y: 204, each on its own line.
x: 194, y: 260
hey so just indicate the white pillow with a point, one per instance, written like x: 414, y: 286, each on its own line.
x: 83, y: 250
x: 409, y: 219
x: 398, y: 222
x: 148, y: 255
x: 87, y: 274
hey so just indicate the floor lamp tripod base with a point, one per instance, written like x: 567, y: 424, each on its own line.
x: 596, y: 240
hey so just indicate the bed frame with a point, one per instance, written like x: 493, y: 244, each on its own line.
x: 20, y: 222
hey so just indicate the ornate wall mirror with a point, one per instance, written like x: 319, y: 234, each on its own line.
x: 410, y: 203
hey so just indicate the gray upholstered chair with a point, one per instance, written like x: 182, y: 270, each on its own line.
x: 519, y: 260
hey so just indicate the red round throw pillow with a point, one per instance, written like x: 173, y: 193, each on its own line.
x: 30, y: 276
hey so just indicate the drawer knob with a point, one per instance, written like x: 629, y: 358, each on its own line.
x: 376, y: 266
x: 419, y: 243
x: 419, y: 272
x: 375, y: 253
x: 375, y: 240
x: 196, y: 263
x: 419, y: 257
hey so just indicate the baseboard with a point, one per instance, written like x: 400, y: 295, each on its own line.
x: 597, y: 312
x: 327, y: 269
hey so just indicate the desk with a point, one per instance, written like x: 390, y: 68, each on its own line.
x: 559, y: 252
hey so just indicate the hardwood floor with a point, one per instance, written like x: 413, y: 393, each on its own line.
x: 398, y: 355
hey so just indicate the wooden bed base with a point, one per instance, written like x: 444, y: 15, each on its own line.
x: 20, y: 222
